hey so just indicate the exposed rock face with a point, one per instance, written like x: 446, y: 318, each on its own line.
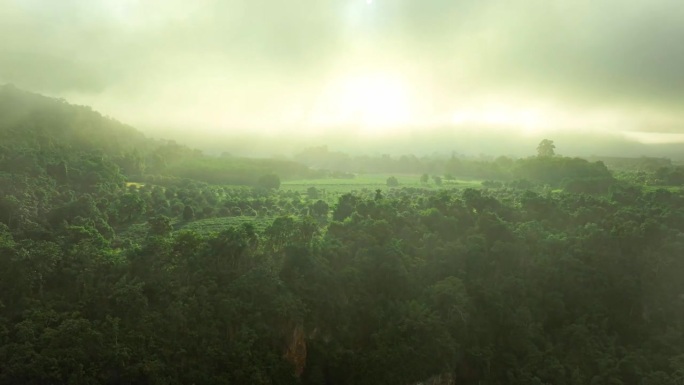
x: 295, y: 352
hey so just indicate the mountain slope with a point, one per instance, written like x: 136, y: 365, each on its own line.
x: 38, y: 133
x: 35, y: 121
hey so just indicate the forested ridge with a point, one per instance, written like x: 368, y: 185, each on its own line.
x: 557, y: 270
x: 37, y: 132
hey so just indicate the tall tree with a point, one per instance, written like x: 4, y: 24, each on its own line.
x: 546, y: 148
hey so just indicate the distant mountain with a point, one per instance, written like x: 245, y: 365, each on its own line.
x: 42, y: 136
x: 29, y: 120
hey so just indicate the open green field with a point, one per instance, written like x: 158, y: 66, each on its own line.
x: 672, y: 189
x: 137, y: 232
x: 216, y: 225
x: 331, y: 189
x: 373, y: 182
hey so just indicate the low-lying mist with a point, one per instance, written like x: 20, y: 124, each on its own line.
x: 461, y: 141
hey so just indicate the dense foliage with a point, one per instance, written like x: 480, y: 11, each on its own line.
x: 494, y: 287
x: 565, y: 275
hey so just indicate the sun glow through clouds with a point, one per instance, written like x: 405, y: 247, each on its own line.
x: 375, y: 103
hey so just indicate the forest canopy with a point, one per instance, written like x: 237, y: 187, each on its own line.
x: 130, y: 260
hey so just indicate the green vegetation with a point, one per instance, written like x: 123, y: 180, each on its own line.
x: 371, y: 182
x: 546, y: 270
x: 216, y: 225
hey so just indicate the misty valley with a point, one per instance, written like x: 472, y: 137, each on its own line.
x: 130, y: 260
x: 342, y: 192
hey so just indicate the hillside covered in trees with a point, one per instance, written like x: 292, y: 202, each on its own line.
x: 126, y: 260
x: 41, y: 135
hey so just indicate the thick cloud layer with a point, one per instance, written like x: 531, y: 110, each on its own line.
x: 229, y: 64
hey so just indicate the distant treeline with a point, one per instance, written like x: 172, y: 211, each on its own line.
x: 556, y: 171
x: 643, y: 163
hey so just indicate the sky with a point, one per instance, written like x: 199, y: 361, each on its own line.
x: 358, y: 68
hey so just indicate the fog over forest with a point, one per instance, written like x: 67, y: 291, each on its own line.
x: 399, y: 75
x: 342, y: 192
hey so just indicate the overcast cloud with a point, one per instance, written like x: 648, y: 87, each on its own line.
x: 280, y: 64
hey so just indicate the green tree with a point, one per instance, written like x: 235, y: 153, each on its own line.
x: 320, y: 209
x: 160, y: 225
x: 392, y: 182
x: 313, y: 193
x: 346, y: 205
x: 131, y: 207
x: 188, y: 213
x: 546, y: 148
